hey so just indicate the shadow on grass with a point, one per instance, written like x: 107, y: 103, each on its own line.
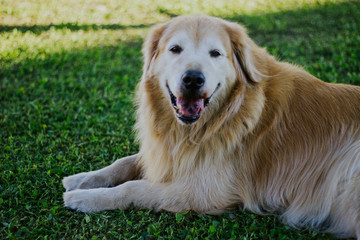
x: 81, y: 97
x: 67, y: 70
x: 330, y: 18
x: 37, y: 29
x: 324, y: 39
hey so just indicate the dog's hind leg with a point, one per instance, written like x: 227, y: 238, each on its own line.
x: 120, y: 171
x: 355, y: 211
x: 347, y: 209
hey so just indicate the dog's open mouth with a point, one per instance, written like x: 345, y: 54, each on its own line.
x: 188, y: 110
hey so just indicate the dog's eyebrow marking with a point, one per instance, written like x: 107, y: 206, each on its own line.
x: 197, y: 37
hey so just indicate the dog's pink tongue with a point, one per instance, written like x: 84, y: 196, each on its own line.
x: 190, y: 108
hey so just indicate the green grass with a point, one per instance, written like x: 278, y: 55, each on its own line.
x: 68, y: 71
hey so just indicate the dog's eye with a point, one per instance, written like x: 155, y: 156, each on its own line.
x: 215, y: 53
x: 176, y: 49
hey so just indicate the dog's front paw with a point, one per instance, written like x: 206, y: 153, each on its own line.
x: 74, y: 182
x: 79, y: 200
x: 96, y: 200
x: 84, y: 181
x: 87, y: 201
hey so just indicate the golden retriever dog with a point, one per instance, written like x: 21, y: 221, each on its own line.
x: 222, y: 123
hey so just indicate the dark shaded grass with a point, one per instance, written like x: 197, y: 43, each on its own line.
x: 324, y: 40
x: 72, y: 111
x: 37, y: 29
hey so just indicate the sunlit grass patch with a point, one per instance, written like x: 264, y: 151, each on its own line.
x: 129, y: 12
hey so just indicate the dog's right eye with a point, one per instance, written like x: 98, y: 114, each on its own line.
x: 215, y: 53
x: 176, y: 49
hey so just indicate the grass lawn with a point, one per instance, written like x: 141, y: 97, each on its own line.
x: 68, y: 71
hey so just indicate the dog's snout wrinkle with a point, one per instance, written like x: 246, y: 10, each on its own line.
x: 193, y: 79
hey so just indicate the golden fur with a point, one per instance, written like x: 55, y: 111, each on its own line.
x: 273, y: 138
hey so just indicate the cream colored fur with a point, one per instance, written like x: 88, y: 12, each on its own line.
x: 273, y: 138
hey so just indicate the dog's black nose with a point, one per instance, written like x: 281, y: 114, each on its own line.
x: 193, y: 79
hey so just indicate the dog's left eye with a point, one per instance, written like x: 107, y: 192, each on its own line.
x: 215, y: 53
x: 176, y: 49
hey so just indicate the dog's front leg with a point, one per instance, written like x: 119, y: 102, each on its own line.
x: 120, y: 171
x: 141, y: 193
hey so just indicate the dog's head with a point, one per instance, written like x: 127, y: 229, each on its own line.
x: 196, y: 60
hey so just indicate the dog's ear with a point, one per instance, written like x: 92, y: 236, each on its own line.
x: 150, y: 46
x: 247, y: 55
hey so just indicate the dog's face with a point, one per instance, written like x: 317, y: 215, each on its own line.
x: 194, y: 61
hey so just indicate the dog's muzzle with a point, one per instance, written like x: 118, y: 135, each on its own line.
x: 189, y: 106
